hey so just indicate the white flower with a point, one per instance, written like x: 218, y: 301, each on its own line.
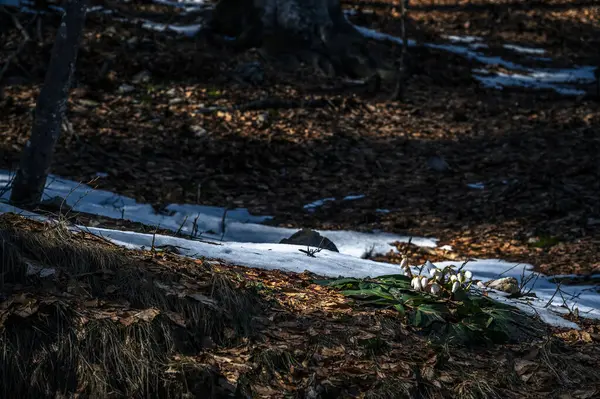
x: 434, y: 272
x: 455, y: 286
x: 404, y: 263
x: 461, y: 277
x: 435, y: 288
x: 453, y: 277
x: 416, y: 283
x: 424, y: 282
x: 468, y: 275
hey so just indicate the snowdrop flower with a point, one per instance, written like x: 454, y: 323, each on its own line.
x: 453, y: 277
x: 404, y: 263
x: 424, y: 282
x: 435, y: 288
x: 468, y: 274
x: 455, y: 286
x: 434, y: 272
x: 416, y: 283
x: 461, y: 277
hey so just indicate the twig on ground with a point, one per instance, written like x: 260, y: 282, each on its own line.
x: 553, y: 295
x: 181, y: 226
x: 311, y: 252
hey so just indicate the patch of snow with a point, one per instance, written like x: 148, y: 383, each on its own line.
x: 463, y: 39
x: 584, y: 298
x: 186, y: 30
x: 327, y: 263
x: 501, y: 80
x: 318, y: 203
x: 476, y: 186
x: 353, y: 197
x: 257, y: 255
x: 373, y: 34
x: 474, y: 55
x: 524, y: 50
x: 476, y: 46
x: 7, y: 208
x: 547, y: 78
x: 311, y: 207
x: 446, y: 247
x: 205, y: 221
x: 546, y: 305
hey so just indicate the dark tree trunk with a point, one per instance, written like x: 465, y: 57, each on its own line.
x: 37, y: 155
x: 315, y: 32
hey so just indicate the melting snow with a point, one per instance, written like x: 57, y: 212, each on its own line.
x: 311, y: 207
x: 476, y: 186
x: 353, y: 197
x: 318, y: 203
x: 463, y: 39
x: 524, y: 50
x: 187, y: 30
x: 535, y: 78
x: 206, y: 221
x: 247, y: 242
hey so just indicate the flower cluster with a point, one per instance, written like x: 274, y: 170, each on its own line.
x: 439, y: 280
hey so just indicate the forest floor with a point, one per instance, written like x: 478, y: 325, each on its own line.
x: 122, y: 323
x: 136, y: 118
x: 138, y: 126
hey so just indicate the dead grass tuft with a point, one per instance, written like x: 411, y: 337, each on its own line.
x: 108, y: 322
x: 392, y: 387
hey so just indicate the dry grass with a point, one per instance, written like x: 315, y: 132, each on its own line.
x: 107, y: 325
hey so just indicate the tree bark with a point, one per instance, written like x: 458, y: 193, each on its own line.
x: 36, y: 157
x: 315, y: 32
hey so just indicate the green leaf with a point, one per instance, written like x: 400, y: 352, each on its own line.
x: 368, y: 293
x: 427, y: 314
x: 337, y: 282
x: 400, y: 308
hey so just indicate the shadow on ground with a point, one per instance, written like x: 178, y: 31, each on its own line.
x: 530, y: 155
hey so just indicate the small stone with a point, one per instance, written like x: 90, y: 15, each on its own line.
x: 506, y: 284
x: 142, y: 77
x: 310, y: 238
x: 125, y: 88
x: 198, y: 130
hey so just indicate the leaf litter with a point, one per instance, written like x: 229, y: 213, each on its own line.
x: 228, y: 328
x: 547, y: 191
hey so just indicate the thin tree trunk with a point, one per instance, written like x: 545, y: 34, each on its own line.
x: 36, y: 157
